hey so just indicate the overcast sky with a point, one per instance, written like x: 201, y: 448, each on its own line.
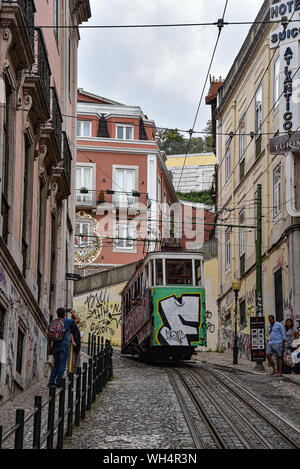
x: 162, y: 70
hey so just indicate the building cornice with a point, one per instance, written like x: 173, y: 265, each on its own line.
x: 249, y: 48
x: 115, y: 140
x: 97, y: 149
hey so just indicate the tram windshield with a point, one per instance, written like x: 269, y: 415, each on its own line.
x: 179, y: 272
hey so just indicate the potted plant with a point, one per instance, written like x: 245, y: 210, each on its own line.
x: 101, y: 198
x: 84, y: 190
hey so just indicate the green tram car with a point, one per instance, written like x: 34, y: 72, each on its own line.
x: 163, y: 307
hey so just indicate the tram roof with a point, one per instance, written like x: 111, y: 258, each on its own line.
x: 173, y: 254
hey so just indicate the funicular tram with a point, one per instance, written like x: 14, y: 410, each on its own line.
x: 163, y: 307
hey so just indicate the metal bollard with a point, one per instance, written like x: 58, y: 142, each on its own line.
x: 51, y: 417
x: 78, y: 397
x: 89, y: 391
x: 84, y: 393
x: 36, y: 444
x: 61, y: 415
x: 70, y: 404
x: 19, y: 434
x: 89, y: 344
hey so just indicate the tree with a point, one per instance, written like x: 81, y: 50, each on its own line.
x: 173, y: 143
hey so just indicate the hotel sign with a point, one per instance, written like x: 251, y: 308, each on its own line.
x: 288, y: 42
x: 285, y: 143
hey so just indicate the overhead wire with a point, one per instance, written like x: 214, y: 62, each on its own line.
x: 220, y: 26
x: 248, y: 107
x: 150, y: 25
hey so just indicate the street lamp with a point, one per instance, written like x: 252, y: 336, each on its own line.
x: 236, y: 286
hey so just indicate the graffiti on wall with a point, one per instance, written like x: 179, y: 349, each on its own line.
x: 179, y: 317
x: 34, y: 349
x: 100, y: 313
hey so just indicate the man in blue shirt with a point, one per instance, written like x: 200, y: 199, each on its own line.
x: 276, y: 343
x: 60, y: 349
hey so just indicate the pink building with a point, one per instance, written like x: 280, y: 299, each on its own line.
x: 38, y: 90
x: 119, y: 163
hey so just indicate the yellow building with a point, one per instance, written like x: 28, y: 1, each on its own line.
x: 197, y: 174
x: 249, y: 113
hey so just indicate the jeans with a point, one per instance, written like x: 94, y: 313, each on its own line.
x: 60, y: 361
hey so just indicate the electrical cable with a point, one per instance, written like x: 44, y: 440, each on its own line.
x: 221, y: 24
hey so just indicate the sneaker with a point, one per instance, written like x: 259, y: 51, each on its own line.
x: 51, y: 384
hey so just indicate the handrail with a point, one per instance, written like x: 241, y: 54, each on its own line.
x: 86, y: 386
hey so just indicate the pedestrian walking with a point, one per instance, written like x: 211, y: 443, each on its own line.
x: 292, y: 334
x: 76, y: 344
x: 59, y: 339
x: 296, y: 356
x: 277, y: 339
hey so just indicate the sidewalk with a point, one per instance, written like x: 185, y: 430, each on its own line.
x: 25, y: 400
x: 225, y: 359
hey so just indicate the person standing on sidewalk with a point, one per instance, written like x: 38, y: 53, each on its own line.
x: 76, y: 344
x: 60, y: 348
x: 276, y: 344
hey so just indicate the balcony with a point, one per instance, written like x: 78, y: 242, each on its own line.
x: 57, y: 120
x: 85, y: 198
x: 37, y: 79
x: 18, y: 16
x: 67, y: 159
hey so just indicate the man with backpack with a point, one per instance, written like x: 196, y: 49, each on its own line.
x: 59, y: 339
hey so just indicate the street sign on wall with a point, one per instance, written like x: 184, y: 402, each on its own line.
x: 284, y: 143
x: 257, y: 339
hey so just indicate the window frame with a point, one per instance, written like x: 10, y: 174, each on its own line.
x: 242, y: 242
x: 227, y: 249
x: 85, y: 197
x: 126, y: 247
x: 124, y: 128
x: 90, y: 230
x: 242, y: 138
x: 81, y: 134
x: 258, y: 112
x: 277, y: 187
x: 228, y: 160
x: 117, y: 187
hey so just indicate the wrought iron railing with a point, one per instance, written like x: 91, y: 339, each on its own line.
x: 85, y: 199
x: 67, y: 158
x: 44, y: 67
x: 56, y: 118
x: 24, y: 256
x: 75, y: 398
x: 5, y: 217
x: 28, y: 10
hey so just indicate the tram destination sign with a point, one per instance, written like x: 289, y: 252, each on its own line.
x: 284, y: 143
x: 257, y: 338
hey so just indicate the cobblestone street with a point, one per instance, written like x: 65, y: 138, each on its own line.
x: 139, y: 410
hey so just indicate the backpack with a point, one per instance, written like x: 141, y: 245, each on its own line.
x: 56, y: 330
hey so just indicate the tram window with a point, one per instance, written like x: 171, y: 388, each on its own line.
x: 198, y: 270
x: 151, y: 273
x: 179, y: 272
x: 159, y: 272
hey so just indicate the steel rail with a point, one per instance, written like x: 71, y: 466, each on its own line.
x: 187, y: 415
x: 292, y: 442
x: 235, y: 431
x: 215, y: 434
x: 229, y: 405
